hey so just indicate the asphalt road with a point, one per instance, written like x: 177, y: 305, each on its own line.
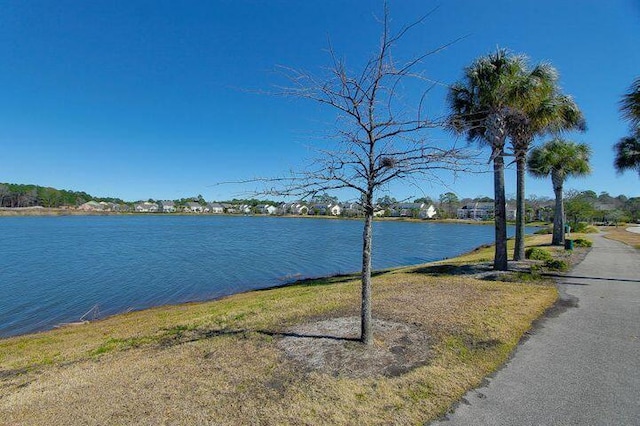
x: 581, y: 366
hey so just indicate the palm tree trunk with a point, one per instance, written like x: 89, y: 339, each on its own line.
x: 500, y: 214
x: 558, y: 216
x: 366, y: 331
x: 518, y: 251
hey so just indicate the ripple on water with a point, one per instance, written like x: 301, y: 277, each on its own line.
x: 53, y: 270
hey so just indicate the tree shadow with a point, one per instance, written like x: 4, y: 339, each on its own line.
x: 307, y: 336
x: 188, y: 336
x: 321, y: 281
x: 628, y: 280
x: 449, y: 269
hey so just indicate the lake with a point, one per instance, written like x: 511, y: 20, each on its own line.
x: 55, y: 269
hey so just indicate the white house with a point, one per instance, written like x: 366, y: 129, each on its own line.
x: 193, y: 207
x: 146, y: 207
x: 334, y: 209
x: 266, y: 209
x: 244, y: 209
x: 167, y: 206
x: 430, y: 212
x: 417, y: 210
x: 483, y: 211
x: 295, y: 208
x: 216, y: 208
x: 476, y: 211
x: 327, y: 209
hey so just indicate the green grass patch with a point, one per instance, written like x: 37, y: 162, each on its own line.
x: 544, y: 231
x: 537, y: 253
x: 115, y: 344
x: 582, y: 242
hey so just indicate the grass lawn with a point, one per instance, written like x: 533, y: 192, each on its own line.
x: 224, y: 361
x: 622, y: 235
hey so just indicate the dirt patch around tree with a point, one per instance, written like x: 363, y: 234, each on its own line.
x: 332, y: 347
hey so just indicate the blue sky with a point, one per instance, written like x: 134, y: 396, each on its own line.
x: 158, y: 99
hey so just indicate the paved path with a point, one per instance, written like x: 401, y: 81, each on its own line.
x: 635, y: 229
x: 580, y: 367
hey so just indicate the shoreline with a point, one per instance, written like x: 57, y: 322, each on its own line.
x: 305, y: 281
x: 249, y: 347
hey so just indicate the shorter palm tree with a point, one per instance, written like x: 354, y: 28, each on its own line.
x: 628, y: 148
x: 628, y: 153
x: 559, y: 159
x: 630, y: 104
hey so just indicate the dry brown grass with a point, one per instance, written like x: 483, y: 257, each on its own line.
x: 621, y: 234
x: 220, y: 363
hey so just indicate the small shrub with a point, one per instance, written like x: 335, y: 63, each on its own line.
x: 537, y: 253
x: 536, y: 271
x: 583, y: 228
x: 578, y: 227
x: 581, y: 242
x: 557, y: 265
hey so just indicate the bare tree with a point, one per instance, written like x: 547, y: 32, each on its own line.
x: 379, y: 138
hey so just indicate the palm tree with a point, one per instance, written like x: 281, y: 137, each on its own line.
x: 560, y: 159
x: 479, y: 105
x: 628, y: 148
x: 628, y: 153
x: 630, y: 104
x: 543, y: 109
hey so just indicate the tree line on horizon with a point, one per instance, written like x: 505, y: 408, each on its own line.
x: 581, y: 206
x: 15, y: 195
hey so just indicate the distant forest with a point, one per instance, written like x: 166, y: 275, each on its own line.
x: 18, y: 195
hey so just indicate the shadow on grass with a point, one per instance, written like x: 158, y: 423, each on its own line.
x: 308, y: 336
x: 315, y: 282
x: 448, y: 269
x: 197, y: 335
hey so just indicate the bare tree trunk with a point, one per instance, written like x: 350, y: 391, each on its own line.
x: 500, y: 214
x: 366, y: 329
x: 558, y: 216
x: 518, y: 251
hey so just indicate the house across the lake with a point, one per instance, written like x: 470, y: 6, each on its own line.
x: 167, y: 206
x: 416, y: 210
x: 193, y: 207
x: 215, y: 208
x: 483, y: 211
x: 266, y: 209
x: 330, y: 209
x: 146, y: 207
x: 297, y: 208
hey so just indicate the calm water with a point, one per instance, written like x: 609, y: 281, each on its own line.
x: 54, y: 269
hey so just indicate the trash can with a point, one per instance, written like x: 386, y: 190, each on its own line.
x: 568, y: 244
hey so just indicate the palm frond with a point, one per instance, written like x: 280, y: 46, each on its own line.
x: 628, y: 153
x: 630, y: 104
x: 562, y: 157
